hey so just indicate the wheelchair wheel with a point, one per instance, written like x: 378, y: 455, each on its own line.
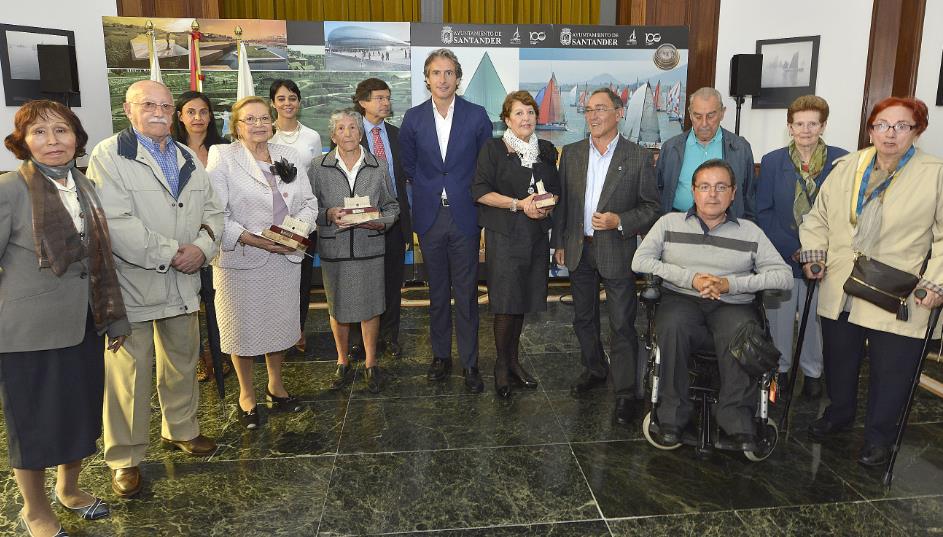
x: 646, y: 423
x: 765, y: 442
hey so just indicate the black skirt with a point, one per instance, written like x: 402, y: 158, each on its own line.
x: 52, y: 402
x: 517, y: 266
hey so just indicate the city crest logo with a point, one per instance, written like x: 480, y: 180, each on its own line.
x: 447, y: 35
x: 565, y: 37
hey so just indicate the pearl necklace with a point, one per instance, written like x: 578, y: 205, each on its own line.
x: 290, y: 137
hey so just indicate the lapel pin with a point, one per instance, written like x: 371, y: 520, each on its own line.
x: 620, y: 168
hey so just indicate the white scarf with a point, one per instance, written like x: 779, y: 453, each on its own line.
x: 526, y: 150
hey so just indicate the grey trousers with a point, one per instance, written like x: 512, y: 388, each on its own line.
x: 684, y: 324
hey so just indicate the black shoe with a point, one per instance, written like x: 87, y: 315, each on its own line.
x: 439, y: 369
x: 666, y: 435
x: 289, y: 403
x: 249, y: 418
x: 501, y: 385
x: 393, y: 349
x: 343, y: 375
x: 521, y: 377
x: 822, y: 427
x: 874, y: 456
x: 356, y: 352
x: 373, y: 377
x: 736, y: 442
x: 473, y: 380
x: 587, y: 381
x: 812, y: 389
x: 627, y: 410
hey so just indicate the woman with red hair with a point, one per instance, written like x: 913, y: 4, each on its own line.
x: 881, y: 204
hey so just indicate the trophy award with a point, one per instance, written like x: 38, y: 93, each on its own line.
x: 543, y: 198
x: 292, y: 233
x: 357, y: 210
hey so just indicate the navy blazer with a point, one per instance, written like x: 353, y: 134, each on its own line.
x: 775, y: 196
x: 421, y: 158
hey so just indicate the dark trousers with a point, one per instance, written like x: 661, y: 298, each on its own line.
x: 893, y: 361
x: 393, y: 272
x: 685, y: 324
x: 307, y: 272
x: 622, y: 304
x: 451, y: 261
x: 208, y: 296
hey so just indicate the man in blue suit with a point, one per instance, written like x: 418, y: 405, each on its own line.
x: 440, y: 160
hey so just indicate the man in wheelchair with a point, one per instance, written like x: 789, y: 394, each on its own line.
x: 712, y: 265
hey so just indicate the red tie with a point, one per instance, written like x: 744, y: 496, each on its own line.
x: 378, y: 148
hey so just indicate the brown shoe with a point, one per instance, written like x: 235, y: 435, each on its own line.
x: 126, y: 482
x: 301, y: 344
x: 198, y: 446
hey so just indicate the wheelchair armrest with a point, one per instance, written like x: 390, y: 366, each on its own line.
x: 651, y: 289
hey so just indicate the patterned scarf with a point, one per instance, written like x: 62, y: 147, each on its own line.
x: 805, y: 196
x: 526, y: 150
x: 58, y: 244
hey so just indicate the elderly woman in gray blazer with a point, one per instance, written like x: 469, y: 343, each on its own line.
x: 259, y: 183
x: 352, y: 258
x: 58, y: 295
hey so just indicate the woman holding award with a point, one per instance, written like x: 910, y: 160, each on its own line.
x: 351, y: 246
x: 257, y: 279
x: 516, y: 184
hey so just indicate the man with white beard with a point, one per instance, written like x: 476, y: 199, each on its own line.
x: 165, y: 224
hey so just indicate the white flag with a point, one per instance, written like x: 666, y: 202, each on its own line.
x: 244, y: 85
x: 155, y: 65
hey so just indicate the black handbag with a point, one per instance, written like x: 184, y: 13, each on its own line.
x: 882, y: 285
x: 753, y: 350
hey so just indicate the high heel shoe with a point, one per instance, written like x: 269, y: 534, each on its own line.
x: 93, y: 511
x: 520, y: 376
x: 249, y: 418
x: 25, y: 527
x: 502, y: 386
x: 289, y: 402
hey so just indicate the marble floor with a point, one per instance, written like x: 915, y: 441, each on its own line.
x: 427, y: 458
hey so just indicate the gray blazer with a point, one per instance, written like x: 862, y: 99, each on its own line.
x: 330, y: 186
x: 38, y: 310
x: 629, y: 191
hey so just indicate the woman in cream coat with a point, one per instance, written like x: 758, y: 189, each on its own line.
x: 256, y: 280
x: 886, y: 202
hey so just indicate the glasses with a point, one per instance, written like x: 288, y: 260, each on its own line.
x: 598, y: 110
x: 261, y: 120
x: 151, y: 106
x: 901, y: 127
x: 806, y: 125
x: 704, y: 188
x: 379, y: 99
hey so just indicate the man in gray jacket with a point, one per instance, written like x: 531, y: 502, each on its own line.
x: 712, y: 264
x: 706, y: 140
x: 165, y: 225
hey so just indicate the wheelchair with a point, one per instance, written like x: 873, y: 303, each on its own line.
x: 704, y: 386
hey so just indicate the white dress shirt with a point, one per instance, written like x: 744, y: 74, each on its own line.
x: 352, y: 172
x: 443, y: 128
x: 595, y: 179
x: 70, y: 198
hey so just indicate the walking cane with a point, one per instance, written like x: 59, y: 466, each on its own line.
x: 797, y: 353
x: 931, y: 325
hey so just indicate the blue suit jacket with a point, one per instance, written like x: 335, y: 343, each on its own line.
x: 776, y: 195
x: 422, y: 160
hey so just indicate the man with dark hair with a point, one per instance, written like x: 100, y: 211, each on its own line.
x: 712, y: 265
x: 372, y: 100
x: 440, y: 161
x: 608, y: 198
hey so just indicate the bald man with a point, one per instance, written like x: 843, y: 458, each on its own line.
x: 165, y: 225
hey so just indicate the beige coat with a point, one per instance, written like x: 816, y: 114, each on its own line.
x: 148, y: 224
x: 913, y: 222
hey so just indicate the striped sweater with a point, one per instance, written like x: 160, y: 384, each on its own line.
x: 680, y: 245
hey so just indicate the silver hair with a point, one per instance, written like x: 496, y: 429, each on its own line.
x: 338, y: 115
x: 707, y: 93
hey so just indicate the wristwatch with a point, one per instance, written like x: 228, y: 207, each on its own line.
x: 514, y: 205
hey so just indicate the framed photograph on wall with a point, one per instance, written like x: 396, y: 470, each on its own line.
x: 790, y: 66
x: 19, y: 61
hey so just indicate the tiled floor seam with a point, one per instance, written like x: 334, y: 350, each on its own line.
x: 340, y: 436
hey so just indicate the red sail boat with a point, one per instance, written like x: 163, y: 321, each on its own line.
x: 551, y: 115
